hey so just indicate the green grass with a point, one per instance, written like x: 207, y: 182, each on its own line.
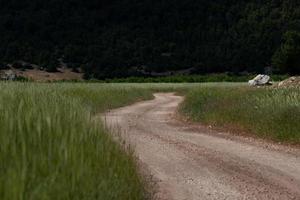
x: 51, y: 148
x: 205, y: 78
x: 268, y: 113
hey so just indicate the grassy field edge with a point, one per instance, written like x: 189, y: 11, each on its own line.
x: 52, y: 149
x: 269, y: 113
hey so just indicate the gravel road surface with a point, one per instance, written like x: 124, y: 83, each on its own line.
x: 191, y: 162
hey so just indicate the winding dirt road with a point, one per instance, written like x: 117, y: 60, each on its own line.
x: 198, y: 163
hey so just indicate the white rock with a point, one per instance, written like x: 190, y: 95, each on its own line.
x: 252, y: 83
x: 260, y: 79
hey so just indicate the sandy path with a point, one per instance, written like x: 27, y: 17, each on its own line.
x: 202, y: 164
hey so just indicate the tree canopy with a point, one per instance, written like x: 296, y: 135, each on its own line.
x: 119, y: 38
x: 287, y: 57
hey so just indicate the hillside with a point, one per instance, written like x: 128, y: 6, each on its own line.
x: 119, y: 38
x: 62, y: 74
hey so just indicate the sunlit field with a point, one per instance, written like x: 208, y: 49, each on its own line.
x: 51, y: 146
x: 266, y: 112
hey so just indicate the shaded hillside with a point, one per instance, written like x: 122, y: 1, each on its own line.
x: 38, y: 75
x: 117, y: 38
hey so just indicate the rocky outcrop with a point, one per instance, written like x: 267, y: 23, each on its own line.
x: 259, y: 80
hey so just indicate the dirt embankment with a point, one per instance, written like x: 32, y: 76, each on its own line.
x: 198, y: 163
x: 44, y: 76
x: 293, y: 81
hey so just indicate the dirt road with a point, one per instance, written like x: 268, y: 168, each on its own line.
x: 198, y: 163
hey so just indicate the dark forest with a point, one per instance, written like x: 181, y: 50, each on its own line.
x: 121, y: 38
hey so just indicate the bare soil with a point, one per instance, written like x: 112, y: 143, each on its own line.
x: 200, y: 163
x: 293, y: 81
x: 44, y: 76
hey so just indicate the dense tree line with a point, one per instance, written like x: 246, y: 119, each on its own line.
x: 118, y: 38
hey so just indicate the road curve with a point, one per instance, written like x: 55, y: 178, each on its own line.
x: 191, y: 163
